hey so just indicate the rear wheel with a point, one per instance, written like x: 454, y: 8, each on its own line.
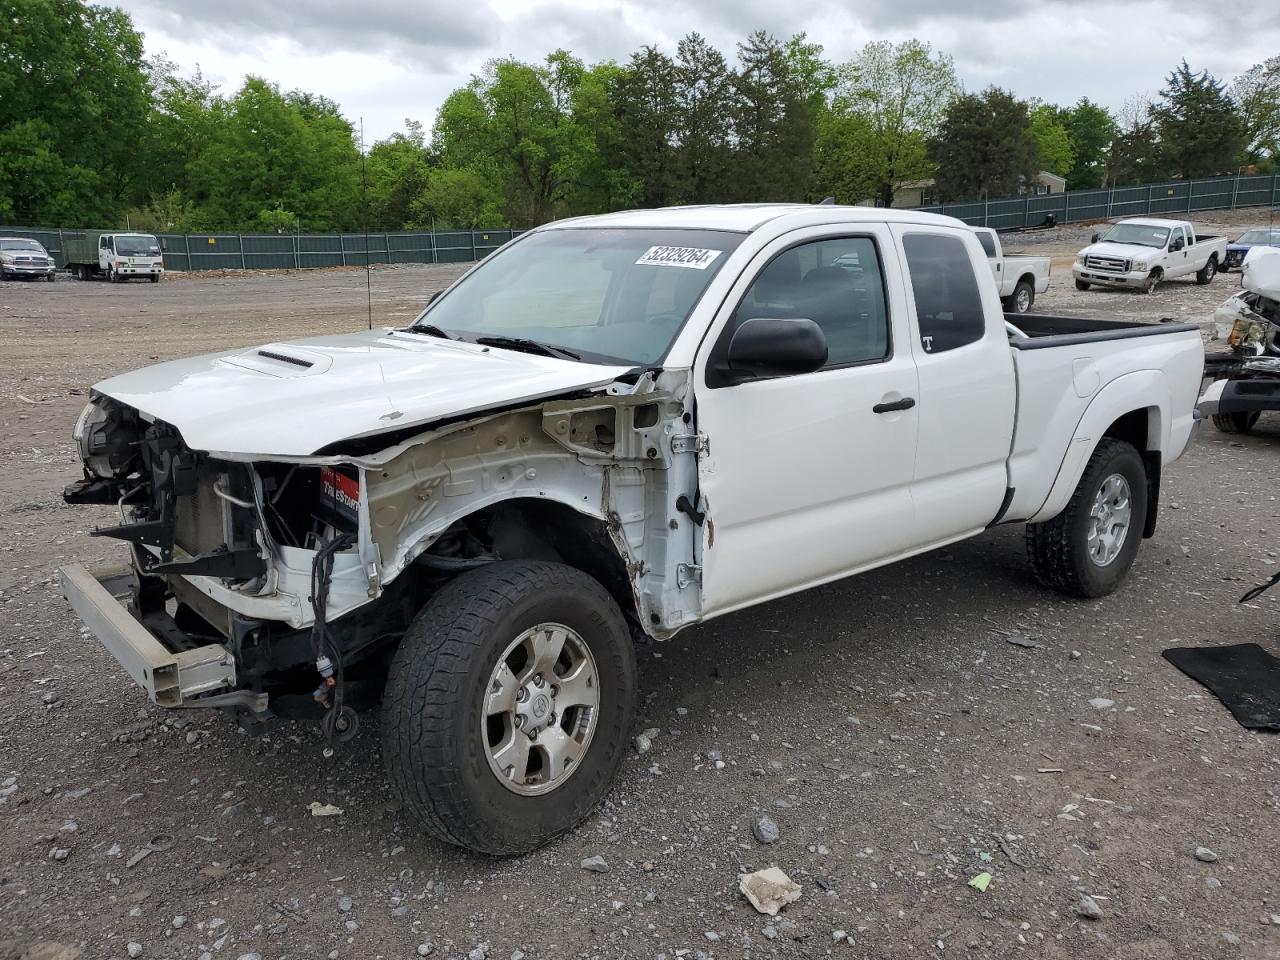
x: 508, y: 705
x: 1241, y: 422
x: 1206, y: 273
x: 1082, y: 285
x: 1024, y: 297
x: 1087, y: 549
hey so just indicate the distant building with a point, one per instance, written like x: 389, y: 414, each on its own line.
x: 919, y: 193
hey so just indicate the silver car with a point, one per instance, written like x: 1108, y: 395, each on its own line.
x: 25, y: 259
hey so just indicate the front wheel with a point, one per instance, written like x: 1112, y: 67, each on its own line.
x: 1152, y: 281
x: 1206, y: 273
x: 1082, y: 284
x: 508, y: 706
x: 1088, y: 548
x: 1240, y: 422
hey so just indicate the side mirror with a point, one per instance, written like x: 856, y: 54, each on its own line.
x: 432, y: 299
x: 1175, y: 246
x: 1096, y: 237
x: 773, y: 348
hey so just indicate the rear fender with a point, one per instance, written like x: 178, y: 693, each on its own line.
x: 1144, y: 390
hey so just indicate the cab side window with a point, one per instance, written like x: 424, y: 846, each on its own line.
x: 948, y: 301
x: 988, y: 243
x: 838, y: 284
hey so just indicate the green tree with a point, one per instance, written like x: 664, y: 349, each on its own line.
x: 984, y: 147
x: 1091, y: 128
x: 515, y: 123
x: 456, y: 198
x: 772, y: 124
x: 891, y: 99
x: 644, y: 98
x: 1135, y: 155
x: 397, y: 172
x: 702, y: 122
x: 1197, y: 124
x: 1256, y: 94
x: 73, y: 103
x: 1055, y: 150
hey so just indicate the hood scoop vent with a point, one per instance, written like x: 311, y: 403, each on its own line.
x: 285, y: 358
x: 282, y: 361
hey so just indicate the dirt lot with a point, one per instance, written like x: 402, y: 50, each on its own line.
x: 899, y: 740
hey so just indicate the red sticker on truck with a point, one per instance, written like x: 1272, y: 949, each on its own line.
x: 340, y: 496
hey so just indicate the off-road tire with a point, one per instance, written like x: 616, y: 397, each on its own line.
x: 1206, y: 273
x: 1239, y: 422
x: 155, y: 278
x: 52, y: 277
x: 1057, y: 549
x: 1082, y: 284
x: 435, y: 757
x: 1153, y: 281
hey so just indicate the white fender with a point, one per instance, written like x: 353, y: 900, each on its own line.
x: 1146, y: 389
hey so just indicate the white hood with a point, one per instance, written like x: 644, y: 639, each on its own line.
x: 293, y: 399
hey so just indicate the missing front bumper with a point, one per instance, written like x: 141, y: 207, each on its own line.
x: 171, y: 679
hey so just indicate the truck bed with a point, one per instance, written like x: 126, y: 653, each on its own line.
x: 1043, y: 330
x: 1064, y: 364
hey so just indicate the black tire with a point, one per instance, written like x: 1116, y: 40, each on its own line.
x: 434, y: 750
x: 1240, y: 422
x: 1153, y: 281
x: 1206, y: 273
x: 1059, y: 548
x: 1023, y: 298
x: 155, y: 278
x: 52, y: 277
x: 1082, y: 284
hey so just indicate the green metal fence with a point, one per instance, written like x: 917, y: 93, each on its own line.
x: 274, y: 251
x: 1170, y: 198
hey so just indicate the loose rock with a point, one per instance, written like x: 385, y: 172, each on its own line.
x: 765, y: 830
x: 1089, y: 909
x: 134, y: 948
x: 1101, y: 703
x: 1205, y: 855
x: 344, y: 904
x: 595, y: 864
x: 426, y: 948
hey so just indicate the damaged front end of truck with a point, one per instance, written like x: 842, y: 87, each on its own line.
x: 254, y: 576
x: 1246, y: 378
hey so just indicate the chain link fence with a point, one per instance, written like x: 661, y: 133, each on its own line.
x: 1171, y: 198
x: 275, y: 251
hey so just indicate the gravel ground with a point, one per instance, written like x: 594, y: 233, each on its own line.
x: 896, y: 737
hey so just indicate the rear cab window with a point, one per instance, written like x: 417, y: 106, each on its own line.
x: 948, y: 301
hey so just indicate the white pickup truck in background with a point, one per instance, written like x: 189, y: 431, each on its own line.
x: 613, y: 426
x: 1143, y: 253
x: 1019, y: 279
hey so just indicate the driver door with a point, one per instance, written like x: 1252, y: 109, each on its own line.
x: 1178, y: 263
x: 807, y: 477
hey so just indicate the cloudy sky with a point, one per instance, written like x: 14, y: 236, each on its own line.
x: 387, y: 60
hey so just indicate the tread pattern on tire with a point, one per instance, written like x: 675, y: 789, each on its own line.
x: 434, y: 658
x: 1049, y: 548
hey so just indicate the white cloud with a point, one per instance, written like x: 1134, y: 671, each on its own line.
x: 387, y: 60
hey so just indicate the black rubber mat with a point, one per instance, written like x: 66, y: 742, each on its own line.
x: 1243, y: 676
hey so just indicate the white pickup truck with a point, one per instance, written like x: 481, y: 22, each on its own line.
x: 612, y: 427
x: 1019, y: 279
x: 1144, y: 253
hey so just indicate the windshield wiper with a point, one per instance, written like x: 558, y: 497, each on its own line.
x: 431, y: 330
x: 529, y: 346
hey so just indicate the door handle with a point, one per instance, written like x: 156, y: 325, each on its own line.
x: 906, y: 403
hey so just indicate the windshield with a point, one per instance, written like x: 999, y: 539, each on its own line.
x: 137, y: 247
x: 608, y: 295
x: 1136, y: 233
x: 1260, y: 236
x: 8, y: 244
